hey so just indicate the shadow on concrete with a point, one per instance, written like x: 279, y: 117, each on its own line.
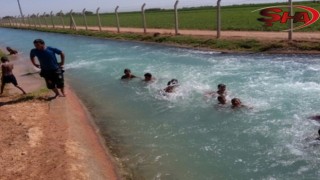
x: 25, y: 99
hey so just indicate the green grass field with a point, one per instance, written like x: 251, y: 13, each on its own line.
x: 238, y: 17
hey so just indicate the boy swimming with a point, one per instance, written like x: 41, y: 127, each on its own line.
x: 128, y: 75
x: 222, y: 100
x: 318, y: 138
x: 171, y: 85
x: 148, y: 77
x: 236, y: 103
x: 7, y: 75
x: 220, y: 92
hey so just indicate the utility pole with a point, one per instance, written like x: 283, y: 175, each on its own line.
x: 290, y: 21
x: 21, y: 14
x: 218, y: 19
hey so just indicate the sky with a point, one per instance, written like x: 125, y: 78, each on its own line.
x: 10, y: 7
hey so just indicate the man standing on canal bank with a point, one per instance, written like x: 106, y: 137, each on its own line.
x: 51, y: 70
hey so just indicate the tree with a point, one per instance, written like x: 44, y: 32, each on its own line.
x: 88, y: 13
x: 59, y: 14
x: 7, y: 17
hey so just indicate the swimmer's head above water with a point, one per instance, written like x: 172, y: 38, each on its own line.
x: 221, y: 89
x: 127, y: 71
x: 173, y: 82
x: 127, y: 74
x: 147, y: 77
x: 171, y: 85
x: 236, y: 102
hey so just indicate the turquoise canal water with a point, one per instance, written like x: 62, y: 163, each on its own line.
x: 185, y: 136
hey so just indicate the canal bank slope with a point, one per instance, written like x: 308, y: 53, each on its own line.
x: 49, y: 139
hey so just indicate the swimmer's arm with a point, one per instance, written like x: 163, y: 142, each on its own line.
x: 210, y: 93
x: 248, y: 107
x: 33, y: 61
x: 133, y: 76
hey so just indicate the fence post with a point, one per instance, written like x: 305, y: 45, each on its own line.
x: 218, y: 19
x: 39, y: 22
x: 85, y: 18
x: 51, y: 16
x: 176, y: 17
x: 73, y: 24
x: 14, y: 21
x: 290, y: 32
x: 62, y: 21
x: 45, y: 20
x: 99, y: 21
x: 19, y: 21
x: 28, y: 20
x: 34, y: 21
x: 117, y: 17
x: 144, y: 18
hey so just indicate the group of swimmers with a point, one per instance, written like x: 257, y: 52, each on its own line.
x: 221, y: 93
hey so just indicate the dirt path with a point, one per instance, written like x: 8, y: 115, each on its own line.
x: 261, y: 35
x: 50, y: 140
x: 310, y: 36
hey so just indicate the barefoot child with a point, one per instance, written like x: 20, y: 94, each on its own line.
x: 7, y: 75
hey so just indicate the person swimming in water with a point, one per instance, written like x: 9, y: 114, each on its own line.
x: 316, y: 118
x: 148, y: 77
x: 222, y: 100
x: 171, y: 85
x: 236, y: 103
x: 220, y: 92
x: 222, y: 89
x: 12, y: 51
x: 318, y: 138
x: 7, y: 75
x: 128, y: 75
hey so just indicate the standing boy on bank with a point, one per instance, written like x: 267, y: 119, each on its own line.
x: 7, y: 75
x: 51, y: 70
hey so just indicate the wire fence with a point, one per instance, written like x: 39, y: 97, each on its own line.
x: 205, y: 18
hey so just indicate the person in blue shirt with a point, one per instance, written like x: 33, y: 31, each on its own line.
x: 51, y: 69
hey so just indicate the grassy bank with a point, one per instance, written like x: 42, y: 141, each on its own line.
x: 1, y: 53
x: 224, y: 45
x: 237, y: 17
